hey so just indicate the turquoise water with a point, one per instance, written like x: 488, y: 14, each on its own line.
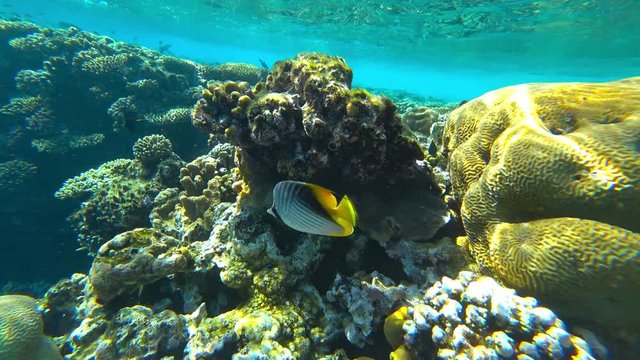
x: 452, y: 50
x: 142, y: 142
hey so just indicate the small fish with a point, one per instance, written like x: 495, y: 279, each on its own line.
x: 313, y: 209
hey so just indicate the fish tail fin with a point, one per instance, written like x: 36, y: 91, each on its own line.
x: 347, y: 212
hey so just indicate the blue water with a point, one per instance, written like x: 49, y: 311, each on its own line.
x: 523, y: 41
x: 436, y: 53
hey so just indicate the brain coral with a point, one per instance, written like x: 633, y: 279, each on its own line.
x: 548, y: 176
x: 21, y: 331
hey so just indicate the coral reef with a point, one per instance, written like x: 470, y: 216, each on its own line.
x: 475, y: 317
x: 152, y: 149
x: 15, y: 175
x: 74, y: 75
x: 547, y: 175
x: 233, y: 72
x: 133, y: 259
x: 304, y: 122
x: 118, y: 195
x: 21, y: 331
x: 188, y: 213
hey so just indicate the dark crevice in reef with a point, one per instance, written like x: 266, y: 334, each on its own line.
x: 451, y: 229
x: 218, y: 297
x: 372, y: 258
x: 375, y: 258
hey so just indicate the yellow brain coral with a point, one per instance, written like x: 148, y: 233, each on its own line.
x: 21, y: 331
x: 548, y: 176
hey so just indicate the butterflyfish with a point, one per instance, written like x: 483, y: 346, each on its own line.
x: 313, y: 209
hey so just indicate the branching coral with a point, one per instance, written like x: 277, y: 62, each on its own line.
x: 118, y: 195
x: 548, y: 179
x: 233, y: 72
x: 119, y: 86
x: 15, y: 175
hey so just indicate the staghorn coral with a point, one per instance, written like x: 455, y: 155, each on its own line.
x: 548, y: 179
x: 21, y: 331
x: 304, y: 122
x: 133, y: 259
x: 475, y: 317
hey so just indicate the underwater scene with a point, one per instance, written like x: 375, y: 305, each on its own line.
x: 336, y: 180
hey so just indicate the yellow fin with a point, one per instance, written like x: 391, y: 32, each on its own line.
x: 343, y: 214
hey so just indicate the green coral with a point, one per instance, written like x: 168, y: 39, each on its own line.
x: 152, y: 149
x: 21, y: 331
x: 188, y: 213
x: 15, y: 175
x: 548, y: 179
x: 117, y: 196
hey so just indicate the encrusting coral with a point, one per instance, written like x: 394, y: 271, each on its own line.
x: 133, y: 259
x: 473, y: 317
x: 548, y: 179
x: 21, y: 331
